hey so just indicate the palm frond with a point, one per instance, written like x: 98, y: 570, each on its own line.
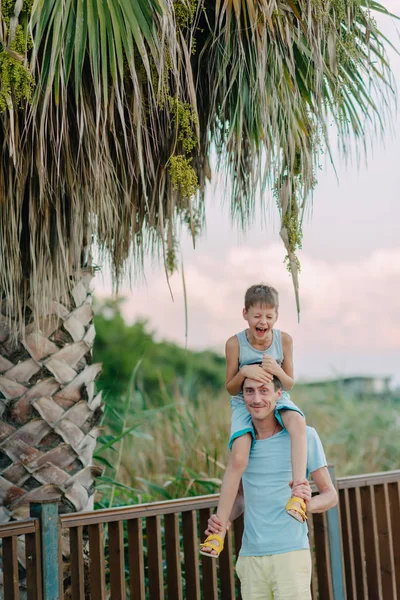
x: 114, y: 145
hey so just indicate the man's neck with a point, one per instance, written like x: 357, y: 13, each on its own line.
x: 267, y: 427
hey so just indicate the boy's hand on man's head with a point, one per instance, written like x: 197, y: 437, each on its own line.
x: 257, y: 373
x: 270, y: 365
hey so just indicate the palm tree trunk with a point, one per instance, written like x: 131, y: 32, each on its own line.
x: 48, y: 408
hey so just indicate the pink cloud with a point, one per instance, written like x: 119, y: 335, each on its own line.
x: 346, y: 306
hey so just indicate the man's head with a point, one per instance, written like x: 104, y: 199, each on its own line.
x: 261, y: 303
x: 261, y: 398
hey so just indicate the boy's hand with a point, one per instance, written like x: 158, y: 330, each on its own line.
x: 257, y: 373
x: 270, y: 365
x: 215, y: 525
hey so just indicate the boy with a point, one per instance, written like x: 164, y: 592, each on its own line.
x: 273, y: 351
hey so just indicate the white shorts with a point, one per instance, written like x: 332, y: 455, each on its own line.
x: 284, y: 576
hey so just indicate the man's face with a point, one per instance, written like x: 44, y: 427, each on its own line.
x: 261, y: 320
x: 260, y: 398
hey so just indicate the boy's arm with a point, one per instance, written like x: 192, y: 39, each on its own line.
x: 284, y: 373
x: 234, y: 379
x: 234, y: 376
x: 327, y: 497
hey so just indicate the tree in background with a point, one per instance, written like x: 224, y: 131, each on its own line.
x: 163, y: 365
x: 109, y: 114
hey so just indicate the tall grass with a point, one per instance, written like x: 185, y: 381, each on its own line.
x: 180, y: 449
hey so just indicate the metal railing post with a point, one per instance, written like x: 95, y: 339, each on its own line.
x: 47, y: 513
x: 335, y: 547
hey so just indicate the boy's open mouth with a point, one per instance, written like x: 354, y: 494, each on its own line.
x: 260, y: 330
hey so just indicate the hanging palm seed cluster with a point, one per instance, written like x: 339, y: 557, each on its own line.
x: 109, y: 115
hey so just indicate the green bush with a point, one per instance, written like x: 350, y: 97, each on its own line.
x: 180, y: 448
x: 167, y: 418
x: 164, y: 367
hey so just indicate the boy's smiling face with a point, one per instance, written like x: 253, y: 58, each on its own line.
x: 261, y: 320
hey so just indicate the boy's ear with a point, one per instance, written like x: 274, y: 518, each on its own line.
x: 244, y: 314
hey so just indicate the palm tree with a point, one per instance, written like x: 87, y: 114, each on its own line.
x: 109, y: 114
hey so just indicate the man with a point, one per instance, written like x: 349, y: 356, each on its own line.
x: 275, y: 558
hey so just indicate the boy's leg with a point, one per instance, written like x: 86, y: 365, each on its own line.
x: 255, y: 575
x: 230, y: 483
x: 292, y: 575
x: 296, y: 426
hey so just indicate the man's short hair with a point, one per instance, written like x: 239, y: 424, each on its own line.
x: 262, y: 294
x: 277, y: 382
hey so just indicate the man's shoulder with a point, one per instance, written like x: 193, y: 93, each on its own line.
x: 316, y: 454
x: 312, y: 434
x: 311, y: 430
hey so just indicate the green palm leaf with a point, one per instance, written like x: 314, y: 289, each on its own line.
x: 130, y: 100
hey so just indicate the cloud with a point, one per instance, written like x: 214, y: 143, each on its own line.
x: 349, y: 309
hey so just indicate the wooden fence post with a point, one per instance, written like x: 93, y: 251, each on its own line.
x: 335, y: 547
x: 47, y: 513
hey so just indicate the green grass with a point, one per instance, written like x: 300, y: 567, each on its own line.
x: 180, y: 449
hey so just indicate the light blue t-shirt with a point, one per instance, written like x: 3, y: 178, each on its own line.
x: 268, y: 529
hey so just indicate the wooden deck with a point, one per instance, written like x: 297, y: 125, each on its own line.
x: 150, y: 551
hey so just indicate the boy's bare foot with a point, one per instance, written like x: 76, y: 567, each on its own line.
x: 296, y: 514
x: 297, y: 505
x: 212, y: 546
x: 209, y: 550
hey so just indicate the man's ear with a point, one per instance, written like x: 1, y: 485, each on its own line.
x: 279, y: 392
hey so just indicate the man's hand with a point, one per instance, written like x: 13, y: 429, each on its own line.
x: 257, y: 373
x: 270, y: 365
x: 327, y: 497
x: 215, y: 525
x: 302, y: 489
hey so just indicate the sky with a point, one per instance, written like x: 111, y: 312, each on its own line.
x: 350, y: 269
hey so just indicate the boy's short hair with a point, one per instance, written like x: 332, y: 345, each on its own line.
x: 262, y: 294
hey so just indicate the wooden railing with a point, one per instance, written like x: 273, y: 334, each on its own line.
x: 28, y: 533
x: 150, y: 552
x: 370, y: 524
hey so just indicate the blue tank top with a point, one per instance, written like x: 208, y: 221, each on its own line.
x: 249, y: 355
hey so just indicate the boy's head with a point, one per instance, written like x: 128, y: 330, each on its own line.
x: 261, y: 303
x: 261, y: 295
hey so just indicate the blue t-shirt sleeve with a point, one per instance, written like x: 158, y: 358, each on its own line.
x: 316, y: 456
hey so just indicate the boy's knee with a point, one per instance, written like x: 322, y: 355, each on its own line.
x: 295, y: 422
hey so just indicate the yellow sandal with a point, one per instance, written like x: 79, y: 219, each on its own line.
x: 207, y: 544
x: 301, y: 511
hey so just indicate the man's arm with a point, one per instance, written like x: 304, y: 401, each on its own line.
x: 215, y: 525
x: 327, y: 497
x: 238, y: 505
